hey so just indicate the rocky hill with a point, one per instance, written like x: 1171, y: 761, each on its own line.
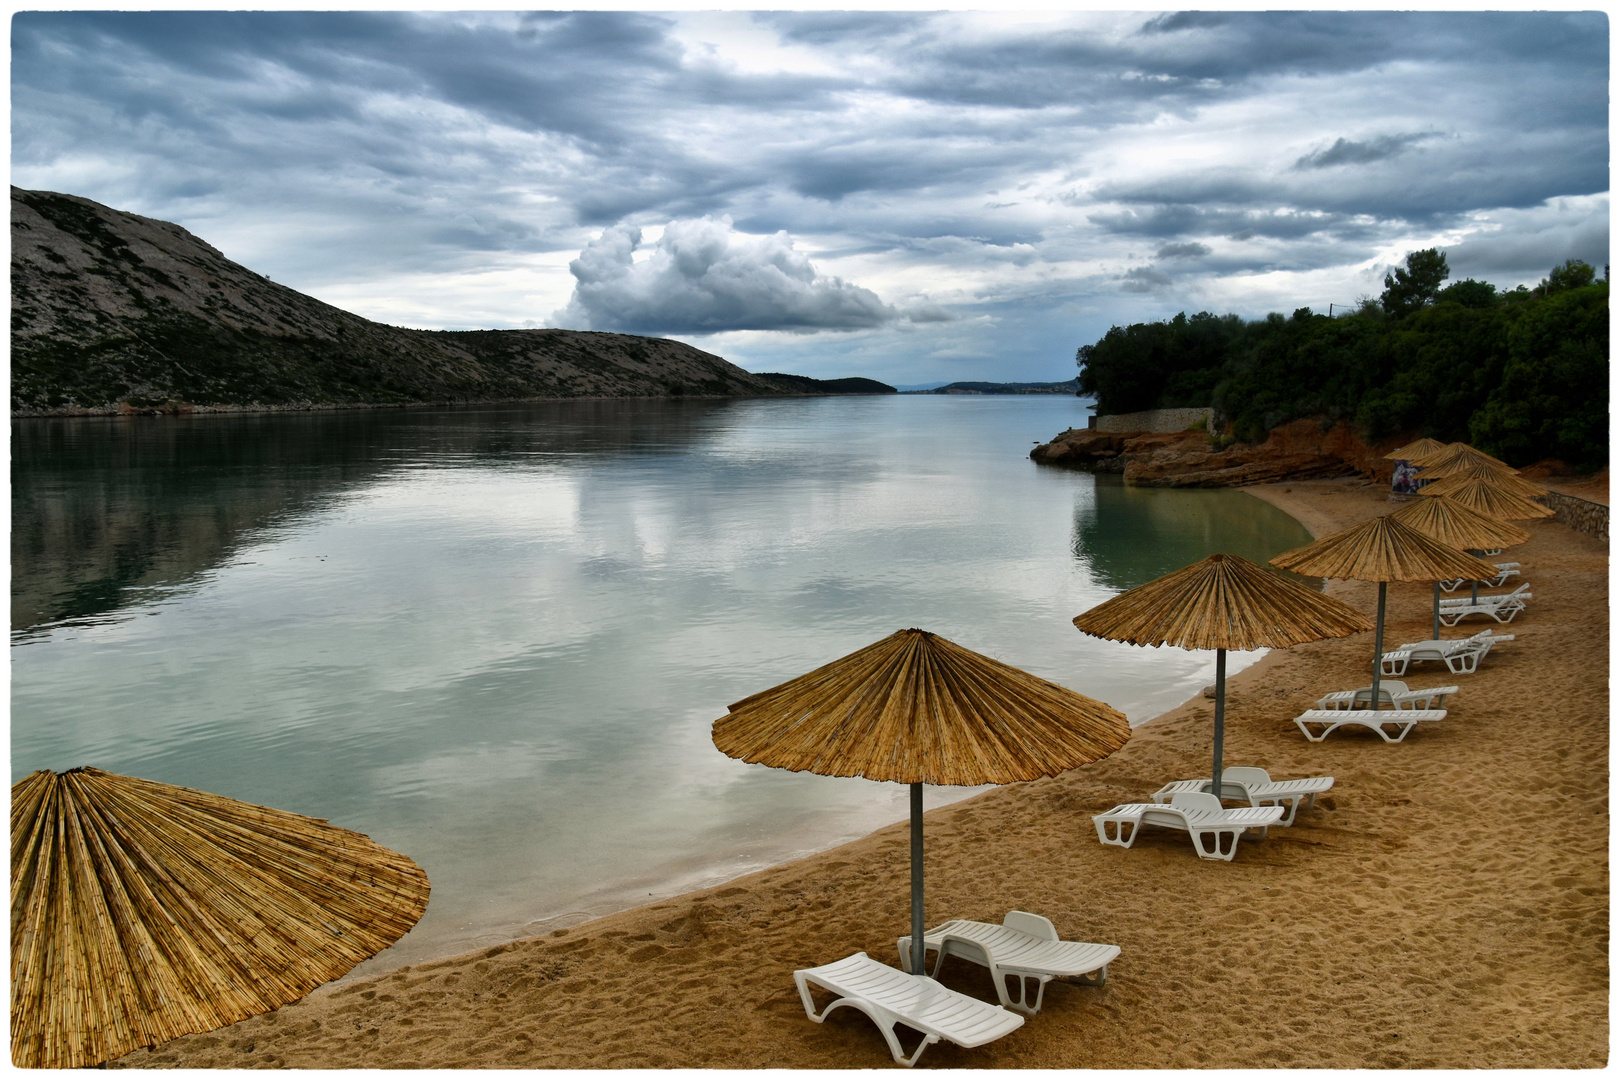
x: 115, y: 312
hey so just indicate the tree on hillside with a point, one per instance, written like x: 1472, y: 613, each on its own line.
x: 1416, y: 284
x: 1570, y: 274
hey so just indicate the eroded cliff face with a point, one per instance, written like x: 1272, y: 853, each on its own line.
x: 1297, y: 451
x: 116, y: 312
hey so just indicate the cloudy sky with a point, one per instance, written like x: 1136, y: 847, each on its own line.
x: 912, y: 196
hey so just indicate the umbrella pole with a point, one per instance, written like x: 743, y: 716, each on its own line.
x: 918, y: 949
x: 1434, y: 631
x: 1378, y: 643
x: 1220, y: 719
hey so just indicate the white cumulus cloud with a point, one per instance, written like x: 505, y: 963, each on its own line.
x: 702, y: 276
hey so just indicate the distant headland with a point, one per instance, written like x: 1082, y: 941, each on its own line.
x: 117, y: 313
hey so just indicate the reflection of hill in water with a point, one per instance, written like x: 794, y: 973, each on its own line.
x: 1186, y: 524
x: 106, y: 511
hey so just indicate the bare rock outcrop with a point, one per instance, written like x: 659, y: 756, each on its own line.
x: 1297, y: 451
x: 115, y: 312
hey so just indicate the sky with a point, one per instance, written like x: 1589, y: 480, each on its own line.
x: 909, y: 196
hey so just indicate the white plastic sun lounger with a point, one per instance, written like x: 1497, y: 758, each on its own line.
x: 1403, y: 720
x: 1502, y: 612
x: 1520, y: 594
x: 1256, y: 786
x: 1391, y: 692
x: 1024, y: 946
x: 890, y: 996
x: 1214, y: 828
x: 1460, y: 655
x: 1504, y: 570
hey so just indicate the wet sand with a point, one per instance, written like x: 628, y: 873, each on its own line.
x: 1445, y: 905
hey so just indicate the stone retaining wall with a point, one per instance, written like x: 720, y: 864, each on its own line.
x: 1582, y: 515
x: 1153, y: 421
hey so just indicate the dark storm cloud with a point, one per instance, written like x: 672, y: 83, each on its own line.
x: 1349, y: 152
x: 339, y: 143
x: 1143, y: 279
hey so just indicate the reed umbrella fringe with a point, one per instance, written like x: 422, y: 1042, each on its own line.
x: 1457, y: 452
x: 1481, y: 495
x: 917, y: 708
x: 1459, y: 526
x: 1222, y: 602
x: 1489, y: 481
x: 1384, y: 550
x: 1422, y: 447
x: 143, y: 911
x: 1505, y: 479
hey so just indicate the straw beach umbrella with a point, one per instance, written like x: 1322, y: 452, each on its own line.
x: 917, y: 709
x: 1455, y: 525
x: 1412, y: 450
x: 141, y: 912
x: 1222, y: 602
x: 1511, y: 483
x: 1453, y: 453
x: 1484, y: 497
x: 1382, y: 550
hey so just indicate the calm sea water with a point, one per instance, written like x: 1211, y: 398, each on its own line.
x: 495, y: 638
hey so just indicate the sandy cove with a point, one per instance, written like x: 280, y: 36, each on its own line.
x: 1446, y: 905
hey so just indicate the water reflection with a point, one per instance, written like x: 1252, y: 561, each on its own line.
x: 107, y: 512
x: 495, y: 639
x: 1185, y: 524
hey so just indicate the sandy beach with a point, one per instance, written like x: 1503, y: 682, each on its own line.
x: 1445, y: 906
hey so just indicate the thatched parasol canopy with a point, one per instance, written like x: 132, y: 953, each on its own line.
x: 1417, y: 449
x: 1500, y: 479
x: 1458, y: 526
x: 916, y: 708
x: 1453, y: 453
x: 142, y: 911
x: 1222, y: 602
x: 1383, y: 549
x: 1483, y: 496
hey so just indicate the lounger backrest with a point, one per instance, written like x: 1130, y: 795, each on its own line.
x: 1246, y: 775
x: 1394, y: 686
x: 1036, y: 926
x: 1196, y: 800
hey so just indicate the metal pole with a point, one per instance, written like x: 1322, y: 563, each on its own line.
x: 917, y: 948
x: 1378, y: 643
x: 1220, y: 719
x: 1434, y: 631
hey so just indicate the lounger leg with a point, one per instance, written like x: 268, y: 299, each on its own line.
x: 1293, y: 807
x: 1209, y: 843
x: 884, y: 1024
x: 1305, y: 730
x: 1406, y: 729
x: 1022, y: 1004
x: 1124, y: 832
x: 1095, y: 978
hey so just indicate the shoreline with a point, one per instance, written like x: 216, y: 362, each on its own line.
x: 1393, y: 926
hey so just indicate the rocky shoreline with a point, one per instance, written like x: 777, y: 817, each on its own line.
x: 1302, y: 450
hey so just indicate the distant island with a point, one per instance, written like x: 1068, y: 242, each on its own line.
x: 117, y: 313
x: 1068, y: 386
x: 806, y: 384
